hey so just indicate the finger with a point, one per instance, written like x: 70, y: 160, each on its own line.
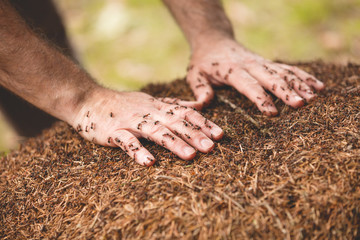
x: 308, y: 78
x: 200, y: 86
x: 250, y: 87
x: 199, y: 122
x: 270, y: 79
x: 177, y: 101
x: 187, y: 131
x: 132, y: 146
x: 157, y: 132
x: 295, y: 82
x: 220, y: 73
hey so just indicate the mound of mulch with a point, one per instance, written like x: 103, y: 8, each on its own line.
x: 293, y: 176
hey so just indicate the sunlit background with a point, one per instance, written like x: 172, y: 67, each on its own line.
x: 126, y: 44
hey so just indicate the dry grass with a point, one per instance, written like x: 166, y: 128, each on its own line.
x: 291, y: 177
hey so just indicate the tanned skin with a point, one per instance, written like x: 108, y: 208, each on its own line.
x: 217, y: 59
x: 38, y: 72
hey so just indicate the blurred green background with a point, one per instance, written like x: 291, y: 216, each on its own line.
x: 126, y: 44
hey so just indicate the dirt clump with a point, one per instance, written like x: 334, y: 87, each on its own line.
x: 293, y: 176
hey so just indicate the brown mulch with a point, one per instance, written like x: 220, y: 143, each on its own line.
x: 293, y: 176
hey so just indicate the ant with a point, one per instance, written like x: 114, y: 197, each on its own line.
x: 189, y: 68
x: 273, y: 87
x: 196, y: 127
x: 169, y: 135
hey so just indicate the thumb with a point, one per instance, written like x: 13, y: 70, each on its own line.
x: 200, y: 86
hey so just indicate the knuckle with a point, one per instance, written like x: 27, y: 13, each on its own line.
x: 156, y: 129
x: 132, y: 140
x: 172, y: 121
x: 192, y: 114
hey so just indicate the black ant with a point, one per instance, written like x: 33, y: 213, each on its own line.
x: 290, y: 72
x: 273, y: 87
x: 140, y: 125
x: 169, y: 135
x: 189, y: 68
x: 196, y: 127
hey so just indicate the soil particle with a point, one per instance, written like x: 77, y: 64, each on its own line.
x: 293, y: 176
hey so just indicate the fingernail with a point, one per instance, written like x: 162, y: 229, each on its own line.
x: 298, y: 98
x: 272, y: 112
x: 189, y: 151
x: 149, y: 160
x: 216, y: 131
x: 206, y: 143
x: 312, y: 97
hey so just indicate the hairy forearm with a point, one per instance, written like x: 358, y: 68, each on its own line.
x: 36, y: 71
x: 200, y: 20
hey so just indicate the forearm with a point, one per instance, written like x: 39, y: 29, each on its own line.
x: 200, y: 19
x: 36, y: 71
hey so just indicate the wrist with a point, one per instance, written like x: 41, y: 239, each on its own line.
x: 93, y: 99
x: 74, y: 100
x: 208, y: 39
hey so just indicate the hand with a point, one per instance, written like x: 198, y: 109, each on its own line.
x: 118, y: 119
x: 227, y: 62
